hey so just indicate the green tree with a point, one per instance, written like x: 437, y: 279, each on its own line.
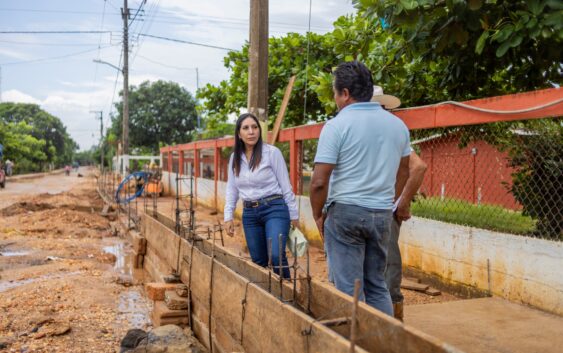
x: 160, y: 113
x: 537, y: 183
x: 477, y: 48
x: 287, y: 57
x: 21, y: 147
x: 57, y: 146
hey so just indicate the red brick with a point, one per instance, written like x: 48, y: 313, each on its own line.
x: 155, y: 291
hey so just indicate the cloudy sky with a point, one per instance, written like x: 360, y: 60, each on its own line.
x: 57, y: 71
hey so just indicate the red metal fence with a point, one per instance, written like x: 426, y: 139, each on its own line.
x: 467, y: 166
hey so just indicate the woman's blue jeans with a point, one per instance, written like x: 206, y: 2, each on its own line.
x: 267, y: 227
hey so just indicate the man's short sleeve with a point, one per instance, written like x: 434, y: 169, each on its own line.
x: 329, y: 145
x: 407, y: 149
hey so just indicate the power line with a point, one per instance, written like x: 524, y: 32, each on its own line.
x: 100, y: 42
x: 186, y: 42
x: 138, y: 10
x: 54, y: 57
x: 50, y: 44
x: 165, y: 65
x: 54, y: 32
x: 154, y: 9
x: 54, y: 11
x: 220, y: 19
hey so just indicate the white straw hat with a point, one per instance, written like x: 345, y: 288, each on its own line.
x: 386, y: 100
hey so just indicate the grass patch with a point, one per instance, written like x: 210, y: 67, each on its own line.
x: 490, y: 217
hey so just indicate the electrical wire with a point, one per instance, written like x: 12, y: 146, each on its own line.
x: 186, y: 42
x: 152, y: 10
x: 99, y: 45
x: 55, y: 57
x: 35, y: 44
x: 166, y: 65
x: 54, y: 32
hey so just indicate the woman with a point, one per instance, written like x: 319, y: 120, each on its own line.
x: 258, y: 175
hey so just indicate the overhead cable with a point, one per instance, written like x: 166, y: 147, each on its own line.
x: 55, y: 57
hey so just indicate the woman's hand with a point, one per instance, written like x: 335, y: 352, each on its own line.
x: 230, y: 228
x: 295, y: 223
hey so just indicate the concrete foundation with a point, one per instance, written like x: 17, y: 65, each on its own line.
x: 520, y: 269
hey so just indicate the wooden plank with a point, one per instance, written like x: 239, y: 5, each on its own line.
x: 281, y: 113
x: 433, y: 291
x: 419, y: 287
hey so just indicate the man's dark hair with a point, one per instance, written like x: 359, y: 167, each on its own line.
x: 356, y: 77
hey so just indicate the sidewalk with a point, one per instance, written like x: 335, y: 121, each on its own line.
x: 489, y: 325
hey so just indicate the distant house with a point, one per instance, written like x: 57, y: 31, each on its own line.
x: 478, y: 173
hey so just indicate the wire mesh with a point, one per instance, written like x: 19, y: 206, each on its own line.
x: 504, y: 177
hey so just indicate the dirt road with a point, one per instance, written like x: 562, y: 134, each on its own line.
x: 65, y: 280
x: 51, y: 184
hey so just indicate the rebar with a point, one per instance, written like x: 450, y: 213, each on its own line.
x: 270, y: 265
x: 280, y: 270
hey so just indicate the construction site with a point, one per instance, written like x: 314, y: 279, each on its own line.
x: 78, y: 270
x: 135, y: 251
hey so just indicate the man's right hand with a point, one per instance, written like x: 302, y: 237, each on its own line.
x: 230, y: 228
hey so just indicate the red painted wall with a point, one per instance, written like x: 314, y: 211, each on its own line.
x: 483, y: 177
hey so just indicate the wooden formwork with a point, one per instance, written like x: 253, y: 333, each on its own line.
x: 234, y: 307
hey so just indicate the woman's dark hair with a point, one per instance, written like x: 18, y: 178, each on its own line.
x: 356, y: 77
x: 239, y: 146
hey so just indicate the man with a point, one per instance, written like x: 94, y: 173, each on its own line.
x: 417, y: 168
x: 9, y: 167
x: 363, y: 153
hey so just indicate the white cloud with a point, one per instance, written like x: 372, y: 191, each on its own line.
x: 16, y: 96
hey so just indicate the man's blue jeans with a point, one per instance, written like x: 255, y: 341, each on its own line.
x: 356, y: 243
x: 267, y: 227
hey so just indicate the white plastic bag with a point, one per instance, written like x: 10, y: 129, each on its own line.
x: 296, y: 242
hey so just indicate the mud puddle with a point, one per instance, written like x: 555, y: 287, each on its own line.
x: 133, y: 307
x: 14, y: 253
x: 5, y: 285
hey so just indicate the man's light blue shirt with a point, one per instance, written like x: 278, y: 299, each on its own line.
x: 366, y: 144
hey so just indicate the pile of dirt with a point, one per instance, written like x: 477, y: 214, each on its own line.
x: 24, y: 207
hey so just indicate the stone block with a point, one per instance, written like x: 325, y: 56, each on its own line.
x: 174, y: 301
x: 182, y: 290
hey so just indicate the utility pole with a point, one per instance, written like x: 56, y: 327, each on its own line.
x: 101, y: 117
x: 0, y: 84
x: 258, y: 68
x: 125, y: 15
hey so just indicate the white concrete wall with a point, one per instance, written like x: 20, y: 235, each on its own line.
x: 206, y: 196
x: 521, y: 269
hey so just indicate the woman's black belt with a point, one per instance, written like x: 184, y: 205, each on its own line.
x: 256, y: 203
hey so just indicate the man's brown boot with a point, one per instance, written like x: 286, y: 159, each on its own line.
x: 398, y: 310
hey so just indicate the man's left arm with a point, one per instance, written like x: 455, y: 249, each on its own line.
x: 416, y: 170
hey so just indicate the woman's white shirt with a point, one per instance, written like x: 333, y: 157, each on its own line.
x: 270, y: 178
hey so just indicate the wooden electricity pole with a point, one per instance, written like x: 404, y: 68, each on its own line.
x: 258, y: 68
x: 125, y: 15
